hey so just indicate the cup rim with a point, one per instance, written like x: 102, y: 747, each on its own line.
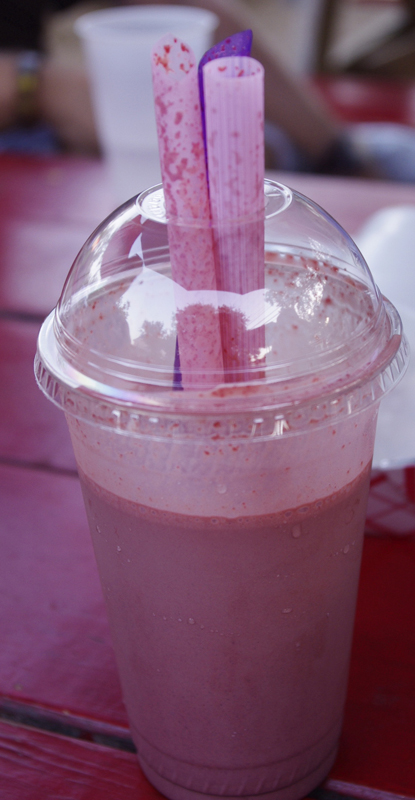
x: 99, y: 24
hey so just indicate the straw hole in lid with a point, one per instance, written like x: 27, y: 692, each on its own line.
x: 152, y: 204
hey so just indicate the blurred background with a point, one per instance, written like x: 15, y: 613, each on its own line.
x: 340, y: 80
x: 334, y: 36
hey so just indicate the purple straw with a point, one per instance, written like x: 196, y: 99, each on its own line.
x: 237, y: 45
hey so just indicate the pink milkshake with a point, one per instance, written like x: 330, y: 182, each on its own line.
x: 232, y: 637
x: 227, y: 517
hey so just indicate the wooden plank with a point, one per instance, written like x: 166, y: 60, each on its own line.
x: 35, y: 765
x: 48, y: 208
x: 57, y: 188
x: 52, y: 616
x: 35, y: 258
x: 32, y: 429
x: 378, y: 741
x: 351, y: 201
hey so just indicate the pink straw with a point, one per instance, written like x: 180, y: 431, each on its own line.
x: 183, y: 169
x: 234, y: 112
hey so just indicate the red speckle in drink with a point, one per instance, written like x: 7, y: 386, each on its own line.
x: 178, y: 118
x: 221, y: 69
x: 184, y: 48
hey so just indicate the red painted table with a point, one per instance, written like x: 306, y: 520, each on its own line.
x: 63, y: 728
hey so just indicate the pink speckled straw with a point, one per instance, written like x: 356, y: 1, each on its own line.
x: 234, y: 116
x: 183, y: 169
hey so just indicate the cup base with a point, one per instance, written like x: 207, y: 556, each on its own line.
x: 294, y: 791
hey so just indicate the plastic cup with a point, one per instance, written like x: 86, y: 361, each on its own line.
x: 118, y: 44
x: 227, y: 522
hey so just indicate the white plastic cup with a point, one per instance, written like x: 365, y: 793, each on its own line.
x: 117, y: 44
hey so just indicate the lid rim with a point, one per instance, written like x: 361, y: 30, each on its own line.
x: 224, y: 400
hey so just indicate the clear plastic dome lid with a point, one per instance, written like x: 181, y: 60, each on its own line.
x: 291, y: 319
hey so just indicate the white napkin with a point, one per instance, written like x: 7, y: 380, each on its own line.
x: 387, y: 241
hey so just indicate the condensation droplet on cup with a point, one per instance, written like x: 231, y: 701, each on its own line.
x: 346, y: 548
x: 221, y: 488
x: 296, y: 531
x: 286, y: 610
x: 191, y: 621
x: 118, y: 548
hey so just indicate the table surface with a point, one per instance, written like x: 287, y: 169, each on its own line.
x: 63, y: 727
